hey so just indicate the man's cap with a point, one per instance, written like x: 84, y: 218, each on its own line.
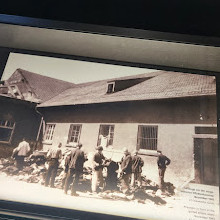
x: 159, y: 151
x: 135, y: 152
x: 125, y: 150
x: 80, y: 145
x: 69, y: 152
x: 99, y: 148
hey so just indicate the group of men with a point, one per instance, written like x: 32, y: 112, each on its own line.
x: 130, y: 168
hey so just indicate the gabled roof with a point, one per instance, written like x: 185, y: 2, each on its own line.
x: 43, y: 87
x: 158, y: 85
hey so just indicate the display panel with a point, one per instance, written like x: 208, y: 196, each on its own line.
x: 162, y: 123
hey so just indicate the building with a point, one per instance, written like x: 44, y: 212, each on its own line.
x: 19, y: 96
x: 168, y: 111
x: 35, y: 87
x: 18, y: 119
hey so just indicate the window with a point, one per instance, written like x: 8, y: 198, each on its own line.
x: 147, y: 137
x: 111, y: 87
x: 6, y: 130
x: 106, y: 135
x: 74, y: 133
x: 48, y: 135
x: 3, y: 90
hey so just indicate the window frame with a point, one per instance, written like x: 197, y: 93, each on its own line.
x: 46, y: 141
x: 113, y: 88
x: 12, y: 128
x: 70, y: 131
x: 98, y: 140
x: 147, y: 150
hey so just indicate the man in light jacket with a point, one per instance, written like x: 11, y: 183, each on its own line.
x: 98, y: 164
x: 20, y: 152
x: 53, y: 155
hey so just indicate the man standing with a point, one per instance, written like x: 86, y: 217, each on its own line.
x: 98, y: 164
x: 126, y: 163
x: 76, y: 162
x: 162, y: 163
x: 66, y: 168
x: 53, y: 155
x: 20, y: 152
x: 137, y: 164
x: 111, y: 179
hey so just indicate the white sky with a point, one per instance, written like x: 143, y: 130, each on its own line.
x: 69, y: 70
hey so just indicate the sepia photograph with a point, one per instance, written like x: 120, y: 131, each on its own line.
x: 112, y: 139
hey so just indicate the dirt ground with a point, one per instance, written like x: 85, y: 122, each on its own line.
x: 146, y: 203
x: 14, y: 190
x: 20, y: 191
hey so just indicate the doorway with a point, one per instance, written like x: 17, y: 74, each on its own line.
x: 206, y: 161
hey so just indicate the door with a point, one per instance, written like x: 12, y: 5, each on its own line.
x: 206, y: 161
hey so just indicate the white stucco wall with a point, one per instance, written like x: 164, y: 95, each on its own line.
x: 174, y: 140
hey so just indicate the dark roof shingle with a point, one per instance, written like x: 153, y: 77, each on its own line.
x: 160, y: 85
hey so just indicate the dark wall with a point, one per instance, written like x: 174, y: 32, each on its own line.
x: 26, y: 120
x: 176, y: 111
x: 198, y: 17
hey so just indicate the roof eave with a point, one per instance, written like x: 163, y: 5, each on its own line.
x: 132, y: 100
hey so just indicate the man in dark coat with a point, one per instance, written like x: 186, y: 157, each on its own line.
x: 162, y: 163
x: 76, y: 162
x: 126, y: 163
x: 137, y: 164
x: 53, y: 155
x: 111, y: 179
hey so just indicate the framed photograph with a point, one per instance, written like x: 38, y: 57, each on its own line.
x: 104, y: 123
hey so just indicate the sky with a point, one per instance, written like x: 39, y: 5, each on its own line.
x: 69, y: 70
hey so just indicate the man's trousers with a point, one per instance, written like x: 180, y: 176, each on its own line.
x: 19, y: 162
x: 51, y: 172
x: 72, y: 177
x: 161, y: 177
x: 134, y: 177
x: 97, y: 179
x: 125, y: 180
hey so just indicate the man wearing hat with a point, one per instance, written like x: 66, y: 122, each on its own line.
x: 162, y: 162
x: 76, y: 162
x: 126, y: 164
x: 98, y: 164
x: 137, y: 164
